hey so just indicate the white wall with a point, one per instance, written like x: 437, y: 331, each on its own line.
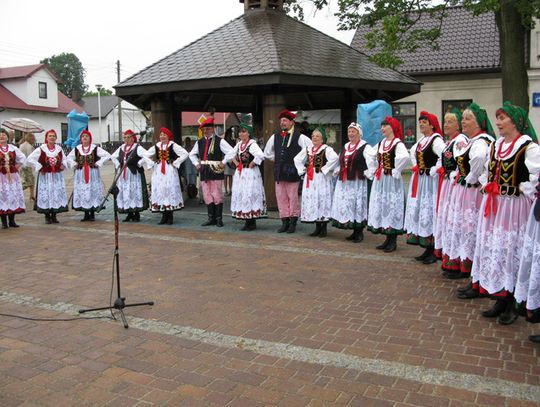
x: 33, y: 89
x: 132, y: 118
x: 486, y: 92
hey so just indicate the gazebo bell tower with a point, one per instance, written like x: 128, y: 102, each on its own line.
x: 262, y: 5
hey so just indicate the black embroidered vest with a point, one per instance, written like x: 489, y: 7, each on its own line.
x: 132, y: 160
x: 426, y: 158
x: 90, y: 159
x: 356, y: 164
x: 285, y: 149
x: 511, y: 172
x: 213, y: 154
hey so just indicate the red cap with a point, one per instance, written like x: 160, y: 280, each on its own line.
x: 87, y: 133
x: 287, y: 114
x: 207, y: 123
x: 432, y: 119
x: 396, y: 126
x: 166, y: 131
x: 49, y: 132
x: 130, y: 132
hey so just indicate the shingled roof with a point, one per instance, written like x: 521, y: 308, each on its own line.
x: 265, y: 48
x: 467, y: 44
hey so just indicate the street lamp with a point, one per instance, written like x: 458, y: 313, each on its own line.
x: 99, y: 87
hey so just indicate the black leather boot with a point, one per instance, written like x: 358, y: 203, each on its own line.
x: 48, y: 220
x: 4, y: 221
x: 92, y: 216
x: 384, y: 244
x: 509, y: 316
x: 136, y: 217
x: 498, y: 308
x: 53, y: 218
x: 391, y: 245
x: 430, y: 258
x: 534, y: 338
x: 219, y: 215
x: 170, y: 217
x: 317, y: 230
x: 292, y: 224
x: 163, y: 218
x: 211, y: 208
x: 86, y: 216
x: 246, y: 225
x: 11, y: 221
x: 284, y: 225
x: 252, y: 224
x: 423, y: 255
x: 358, y: 235
x: 128, y: 217
x: 323, y: 229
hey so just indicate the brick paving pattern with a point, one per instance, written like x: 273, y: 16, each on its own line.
x: 244, y: 319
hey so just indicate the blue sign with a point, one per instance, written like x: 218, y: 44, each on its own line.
x: 536, y: 99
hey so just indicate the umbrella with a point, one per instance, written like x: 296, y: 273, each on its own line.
x: 23, y: 124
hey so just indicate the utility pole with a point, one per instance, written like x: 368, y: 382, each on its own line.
x: 119, y: 103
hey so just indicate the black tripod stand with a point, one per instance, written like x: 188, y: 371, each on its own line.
x: 120, y: 302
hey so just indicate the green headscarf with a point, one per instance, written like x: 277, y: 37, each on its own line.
x: 481, y: 118
x: 520, y: 119
x: 247, y: 127
x: 455, y: 111
x: 323, y: 134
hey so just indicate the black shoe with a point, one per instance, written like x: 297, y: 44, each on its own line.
x: 92, y: 216
x: 534, y: 338
x: 11, y: 221
x: 170, y: 218
x: 252, y: 225
x: 497, y: 309
x: 86, y: 216
x: 423, y: 255
x: 48, y: 220
x: 136, y: 217
x: 456, y: 275
x: 53, y: 218
x: 323, y: 229
x: 246, y: 225
x: 357, y: 236
x: 384, y: 244
x: 353, y: 235
x: 284, y: 225
x: 392, y: 244
x: 292, y: 224
x: 211, y: 208
x: 317, y: 230
x: 128, y: 217
x: 465, y: 288
x: 163, y: 218
x: 509, y: 316
x: 468, y: 294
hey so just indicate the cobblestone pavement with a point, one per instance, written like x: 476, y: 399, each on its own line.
x: 244, y: 319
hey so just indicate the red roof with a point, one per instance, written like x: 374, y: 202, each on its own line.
x: 9, y: 101
x: 191, y: 118
x: 25, y: 71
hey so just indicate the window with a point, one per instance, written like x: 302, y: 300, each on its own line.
x: 43, y: 90
x: 461, y: 104
x: 406, y: 114
x: 64, y: 131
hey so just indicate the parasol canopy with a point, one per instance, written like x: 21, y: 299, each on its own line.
x: 23, y: 124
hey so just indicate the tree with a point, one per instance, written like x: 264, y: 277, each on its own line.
x: 71, y: 72
x: 103, y: 92
x: 393, y: 29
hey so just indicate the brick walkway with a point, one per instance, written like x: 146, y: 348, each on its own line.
x: 244, y: 319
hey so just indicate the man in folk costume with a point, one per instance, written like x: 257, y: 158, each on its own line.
x: 50, y: 161
x: 387, y: 198
x: 447, y: 170
x: 422, y: 197
x: 208, y: 155
x: 132, y: 191
x: 281, y: 148
x: 462, y: 221
x: 509, y: 184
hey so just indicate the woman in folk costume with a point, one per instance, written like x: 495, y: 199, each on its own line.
x: 463, y: 212
x: 317, y: 163
x: 132, y: 192
x: 528, y: 280
x: 166, y: 157
x: 88, y: 192
x: 422, y: 196
x: 511, y: 172
x: 11, y: 191
x: 248, y: 201
x: 350, y: 202
x: 50, y: 161
x: 387, y: 198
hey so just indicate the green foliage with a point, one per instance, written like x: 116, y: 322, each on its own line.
x: 104, y: 92
x: 70, y: 71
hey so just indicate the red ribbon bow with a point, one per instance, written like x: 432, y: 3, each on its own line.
x: 416, y: 174
x: 86, y: 169
x: 378, y: 171
x: 492, y: 189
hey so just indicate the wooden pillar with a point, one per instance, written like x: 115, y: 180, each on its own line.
x: 176, y: 126
x: 271, y: 106
x: 162, y: 116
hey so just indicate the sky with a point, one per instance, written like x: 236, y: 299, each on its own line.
x: 135, y: 32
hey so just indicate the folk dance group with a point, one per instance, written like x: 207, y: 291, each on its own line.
x: 470, y: 201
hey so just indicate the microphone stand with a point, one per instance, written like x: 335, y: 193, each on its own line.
x: 120, y: 302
